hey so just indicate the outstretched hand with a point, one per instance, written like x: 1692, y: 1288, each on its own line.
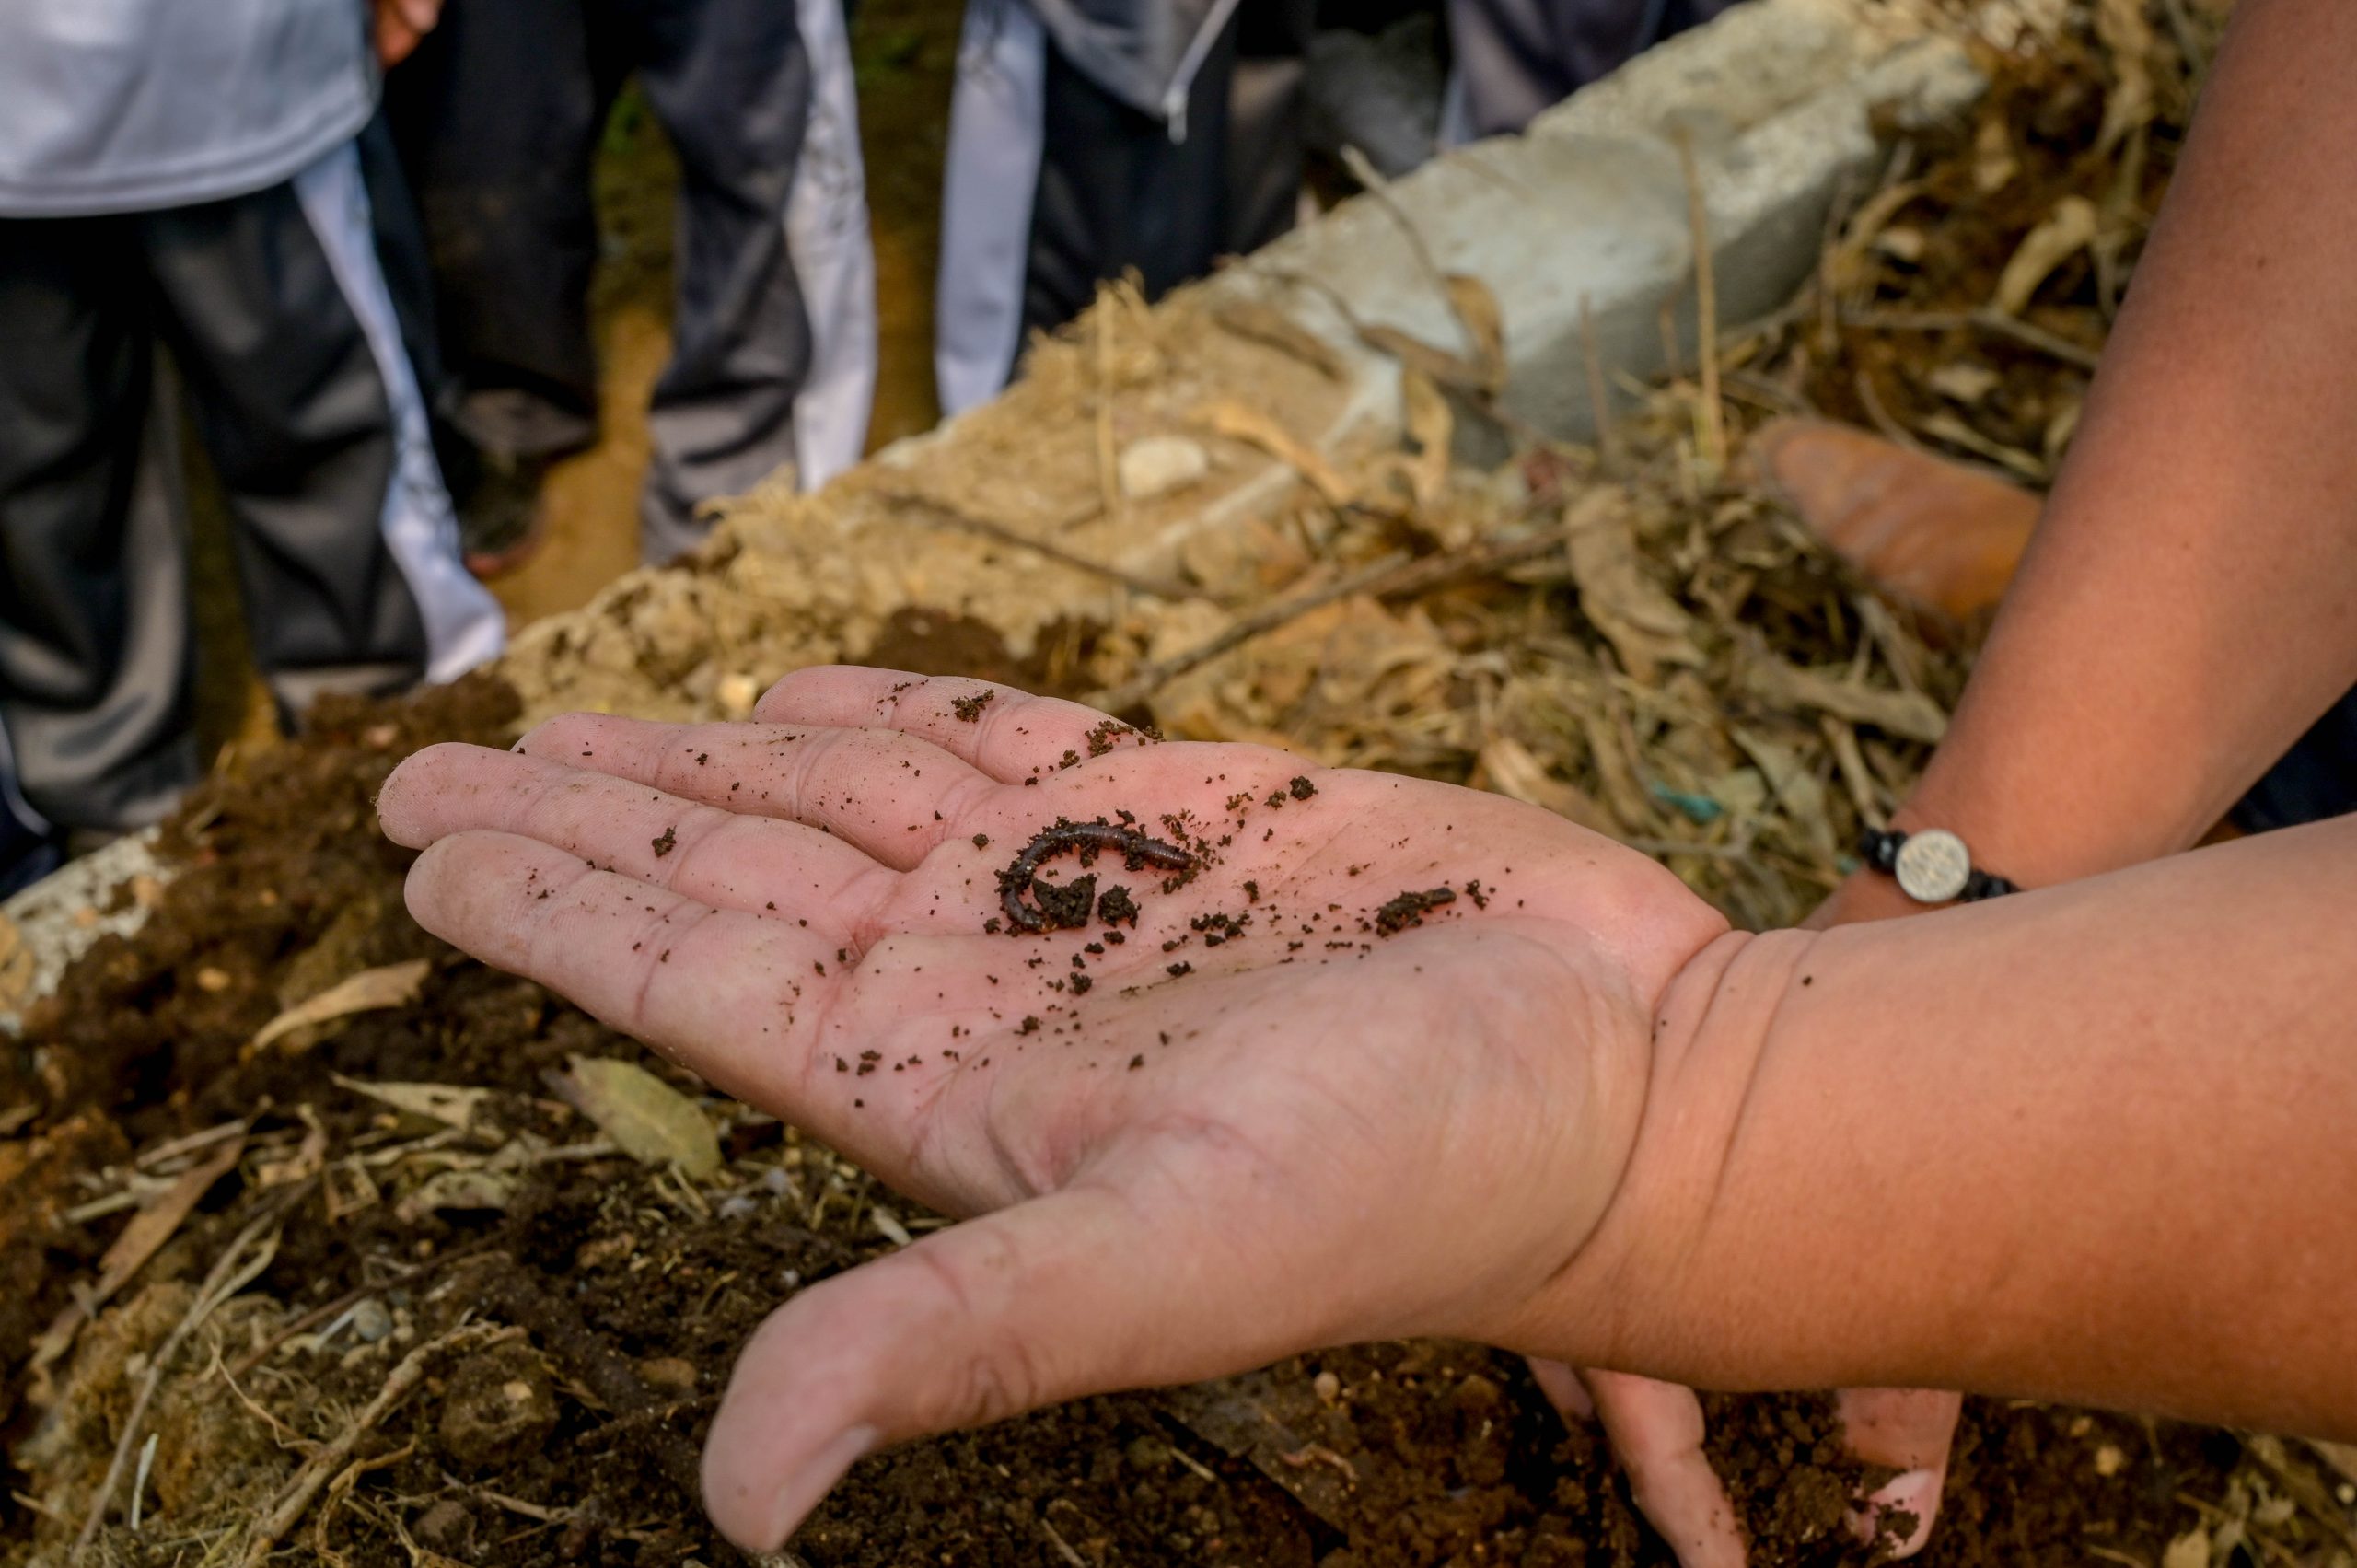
x: 1319, y: 1056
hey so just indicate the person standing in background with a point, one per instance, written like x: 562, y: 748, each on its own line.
x: 498, y: 116
x: 1087, y: 140
x: 195, y: 195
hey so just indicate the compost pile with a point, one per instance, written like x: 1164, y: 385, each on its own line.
x: 329, y: 1244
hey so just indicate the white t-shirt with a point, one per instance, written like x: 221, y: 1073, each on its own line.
x: 115, y: 106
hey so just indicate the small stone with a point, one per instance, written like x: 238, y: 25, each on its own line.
x: 371, y: 1321
x: 213, y: 980
x: 1160, y: 464
x: 668, y: 1374
x: 448, y: 1527
x: 1327, y: 1387
x: 2108, y: 1459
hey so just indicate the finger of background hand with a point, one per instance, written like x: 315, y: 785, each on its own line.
x: 737, y: 997
x: 892, y: 794
x: 1012, y: 736
x: 1073, y: 1294
x: 714, y: 856
x: 1656, y: 1432
x: 1909, y: 1430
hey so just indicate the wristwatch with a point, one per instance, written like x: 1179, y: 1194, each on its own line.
x: 1932, y: 866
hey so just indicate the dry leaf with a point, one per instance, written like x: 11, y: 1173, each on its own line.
x: 1993, y: 163
x: 1647, y: 628
x: 2127, y: 33
x: 1509, y: 768
x: 1432, y: 427
x: 445, y: 1103
x: 148, y: 1230
x: 1908, y: 715
x: 2068, y: 229
x: 467, y: 1188
x: 2190, y: 1550
x: 394, y: 985
x: 1233, y: 420
x: 1793, y: 788
x: 649, y: 1119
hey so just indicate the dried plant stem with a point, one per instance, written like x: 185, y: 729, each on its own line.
x: 1711, y: 420
x: 1600, y: 396
x: 1388, y: 577
x: 939, y: 514
x: 228, y: 1276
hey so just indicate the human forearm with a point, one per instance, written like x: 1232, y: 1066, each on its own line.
x: 2190, y: 604
x: 2048, y: 1146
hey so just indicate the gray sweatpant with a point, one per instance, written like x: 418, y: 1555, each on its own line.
x: 274, y: 310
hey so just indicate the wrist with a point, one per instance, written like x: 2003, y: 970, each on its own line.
x: 1639, y: 1295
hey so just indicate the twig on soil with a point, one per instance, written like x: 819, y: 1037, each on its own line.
x: 274, y: 1521
x: 1064, y: 1546
x: 1388, y: 577
x: 229, y: 1275
x: 939, y: 514
x: 1710, y: 415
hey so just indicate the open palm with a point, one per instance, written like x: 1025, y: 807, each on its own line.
x: 1296, y: 1056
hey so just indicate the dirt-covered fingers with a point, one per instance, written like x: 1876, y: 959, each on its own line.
x: 1007, y: 733
x: 713, y: 855
x: 1908, y: 1430
x: 738, y: 997
x: 892, y: 794
x: 1656, y: 1433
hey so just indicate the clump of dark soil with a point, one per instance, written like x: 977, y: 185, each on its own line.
x: 1409, y: 908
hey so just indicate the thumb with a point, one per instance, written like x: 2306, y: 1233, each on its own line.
x: 1073, y: 1294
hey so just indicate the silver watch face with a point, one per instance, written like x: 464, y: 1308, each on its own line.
x: 1932, y: 866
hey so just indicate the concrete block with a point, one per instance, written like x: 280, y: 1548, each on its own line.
x: 1588, y: 211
